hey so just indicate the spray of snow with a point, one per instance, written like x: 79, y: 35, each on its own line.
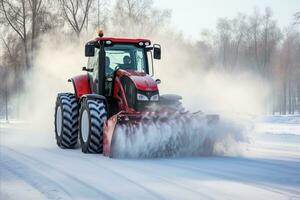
x: 179, y: 136
x: 57, y: 60
x: 207, y: 87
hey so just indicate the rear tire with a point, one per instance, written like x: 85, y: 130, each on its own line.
x: 92, y: 118
x: 66, y: 120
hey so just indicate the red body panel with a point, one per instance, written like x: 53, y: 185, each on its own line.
x: 141, y: 80
x: 119, y: 94
x: 81, y: 85
x: 108, y: 131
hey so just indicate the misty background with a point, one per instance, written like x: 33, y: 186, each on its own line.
x: 247, y: 63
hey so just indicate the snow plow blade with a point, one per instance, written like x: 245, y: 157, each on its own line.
x: 132, y: 121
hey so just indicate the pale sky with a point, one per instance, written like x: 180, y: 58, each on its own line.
x: 190, y: 16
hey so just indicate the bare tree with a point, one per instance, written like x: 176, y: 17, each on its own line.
x: 239, y: 30
x: 289, y: 62
x: 11, y: 62
x: 224, y: 35
x: 271, y: 36
x: 230, y: 37
x: 99, y: 15
x: 206, y: 50
x: 254, y: 31
x: 75, y: 12
x: 35, y: 9
x: 16, y: 15
x: 21, y: 16
x: 138, y: 18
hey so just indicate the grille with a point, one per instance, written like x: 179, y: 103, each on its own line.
x: 142, y: 106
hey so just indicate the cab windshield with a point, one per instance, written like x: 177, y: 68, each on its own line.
x: 127, y: 57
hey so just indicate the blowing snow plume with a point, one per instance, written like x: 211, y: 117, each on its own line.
x: 177, y: 136
x: 190, y: 133
x: 58, y: 59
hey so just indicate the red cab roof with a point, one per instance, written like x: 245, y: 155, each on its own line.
x: 122, y: 40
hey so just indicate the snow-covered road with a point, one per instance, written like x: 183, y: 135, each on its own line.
x: 33, y: 167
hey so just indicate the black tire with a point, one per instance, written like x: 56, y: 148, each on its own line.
x: 91, y: 121
x: 66, y: 127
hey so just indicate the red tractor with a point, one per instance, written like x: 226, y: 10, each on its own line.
x: 117, y: 89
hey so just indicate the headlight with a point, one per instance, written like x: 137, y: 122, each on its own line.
x: 142, y: 97
x: 154, y: 98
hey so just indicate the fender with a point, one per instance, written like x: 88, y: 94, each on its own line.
x: 81, y: 85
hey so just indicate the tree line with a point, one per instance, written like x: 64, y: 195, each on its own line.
x: 253, y: 43
x: 257, y: 44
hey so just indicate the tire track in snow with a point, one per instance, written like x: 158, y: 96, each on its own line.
x: 274, y: 188
x: 140, y: 169
x: 223, y: 176
x: 153, y: 175
x: 168, y: 180
x: 85, y: 158
x: 148, y: 190
x: 164, y: 179
x: 75, y: 182
x: 274, y: 164
x: 42, y: 184
x: 226, y: 175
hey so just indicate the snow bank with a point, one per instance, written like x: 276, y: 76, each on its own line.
x: 281, y: 119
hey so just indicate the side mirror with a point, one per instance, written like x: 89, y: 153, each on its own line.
x: 89, y: 50
x: 87, y: 69
x: 158, y: 81
x: 156, y: 51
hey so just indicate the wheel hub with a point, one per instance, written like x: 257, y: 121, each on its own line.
x: 58, y: 121
x: 85, y: 125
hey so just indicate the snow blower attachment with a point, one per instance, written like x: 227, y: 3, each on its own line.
x: 117, y: 93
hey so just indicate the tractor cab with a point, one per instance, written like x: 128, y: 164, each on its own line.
x: 121, y: 53
x: 121, y: 70
x: 125, y: 57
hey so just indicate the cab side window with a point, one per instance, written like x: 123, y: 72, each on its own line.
x: 93, y: 61
x: 93, y: 64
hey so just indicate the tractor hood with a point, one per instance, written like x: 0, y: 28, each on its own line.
x: 142, y: 81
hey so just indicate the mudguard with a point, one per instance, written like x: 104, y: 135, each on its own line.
x: 81, y: 85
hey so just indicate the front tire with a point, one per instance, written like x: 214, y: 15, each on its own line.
x: 66, y: 120
x: 92, y: 118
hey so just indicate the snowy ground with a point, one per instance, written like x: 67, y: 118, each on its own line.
x: 32, y: 167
